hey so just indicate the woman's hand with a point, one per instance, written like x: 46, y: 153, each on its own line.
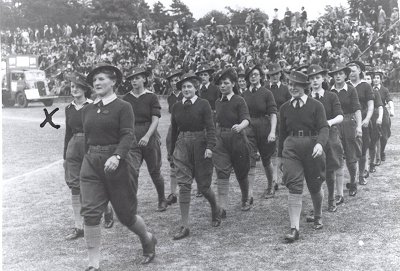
x: 317, y: 151
x: 208, y: 153
x: 237, y: 128
x: 143, y: 141
x: 358, y: 132
x: 271, y: 137
x: 111, y: 164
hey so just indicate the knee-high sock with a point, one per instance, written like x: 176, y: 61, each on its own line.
x: 251, y: 177
x: 158, y: 181
x: 339, y: 180
x: 174, y: 183
x: 93, y: 241
x: 295, y: 202
x: 244, y: 188
x: 76, y: 207
x: 372, y: 153
x: 223, y: 192
x: 269, y: 172
x: 330, y: 183
x: 383, y: 145
x: 317, y: 202
x: 361, y: 165
x: 210, y: 196
x: 352, y: 167
x: 139, y: 228
x: 184, y: 203
x: 277, y: 173
x: 378, y: 151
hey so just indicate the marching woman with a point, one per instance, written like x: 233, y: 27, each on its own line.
x: 147, y: 110
x: 207, y: 90
x: 304, y: 132
x: 232, y: 149
x: 366, y: 98
x: 376, y: 122
x: 334, y: 116
x: 107, y: 173
x: 74, y: 150
x: 386, y: 122
x: 261, y: 131
x: 192, y: 142
x: 175, y: 96
x: 350, y: 129
x: 242, y: 83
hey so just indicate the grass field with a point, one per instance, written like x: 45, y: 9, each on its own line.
x: 364, y: 234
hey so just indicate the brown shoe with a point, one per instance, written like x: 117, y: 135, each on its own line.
x: 182, y: 233
x: 269, y: 193
x: 109, y: 219
x: 149, y: 251
x: 162, y: 205
x: 317, y: 223
x: 292, y: 236
x: 75, y: 234
x: 217, y: 217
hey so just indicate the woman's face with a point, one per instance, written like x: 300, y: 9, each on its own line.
x: 76, y: 91
x: 226, y: 86
x: 138, y: 81
x: 242, y: 82
x: 340, y: 77
x: 103, y: 84
x: 296, y: 90
x: 188, y: 90
x: 377, y: 80
x: 255, y: 77
x: 316, y: 81
x: 173, y: 82
x: 205, y: 77
x: 354, y: 73
x: 274, y: 78
x: 368, y: 79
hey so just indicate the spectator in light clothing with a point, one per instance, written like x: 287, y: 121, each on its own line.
x: 381, y: 19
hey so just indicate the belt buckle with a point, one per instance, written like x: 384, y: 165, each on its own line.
x: 301, y: 133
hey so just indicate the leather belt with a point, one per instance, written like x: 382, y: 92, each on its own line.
x: 303, y: 133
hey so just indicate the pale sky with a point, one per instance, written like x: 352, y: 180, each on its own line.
x: 201, y: 7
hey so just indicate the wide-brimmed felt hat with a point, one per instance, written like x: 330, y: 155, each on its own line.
x: 274, y: 68
x: 251, y: 69
x: 174, y: 73
x: 375, y: 72
x: 204, y: 68
x: 137, y: 71
x: 241, y: 73
x: 315, y: 69
x: 230, y: 72
x: 78, y: 79
x: 298, y: 77
x: 104, y: 66
x: 302, y: 67
x: 337, y: 68
x: 186, y: 77
x: 357, y: 63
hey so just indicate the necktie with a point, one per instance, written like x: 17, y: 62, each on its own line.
x: 376, y: 89
x: 224, y: 99
x: 317, y: 96
x: 203, y: 88
x: 99, y: 105
x: 187, y: 103
x: 274, y: 86
x: 297, y: 102
x: 254, y: 90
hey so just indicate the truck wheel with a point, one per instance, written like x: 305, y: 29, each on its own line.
x: 8, y: 103
x: 48, y: 102
x: 21, y: 100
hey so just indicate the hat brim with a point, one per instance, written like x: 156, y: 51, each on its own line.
x: 209, y: 71
x: 318, y: 72
x: 345, y: 69
x: 357, y: 63
x: 145, y: 73
x: 273, y: 72
x: 118, y: 73
x: 179, y: 84
x: 178, y: 73
x: 297, y: 81
x: 80, y: 82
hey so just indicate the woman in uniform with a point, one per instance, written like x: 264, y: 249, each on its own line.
x: 147, y: 110
x: 350, y: 129
x: 304, y: 133
x: 107, y: 173
x: 175, y: 96
x: 242, y: 83
x: 192, y: 141
x: 366, y: 98
x: 232, y: 150
x: 74, y: 150
x: 386, y: 122
x: 334, y: 116
x: 261, y: 131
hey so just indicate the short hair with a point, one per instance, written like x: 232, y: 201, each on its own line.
x: 195, y: 83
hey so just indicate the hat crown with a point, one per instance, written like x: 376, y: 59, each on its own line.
x: 314, y: 68
x: 298, y: 77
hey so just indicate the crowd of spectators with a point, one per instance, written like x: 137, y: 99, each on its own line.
x: 291, y: 41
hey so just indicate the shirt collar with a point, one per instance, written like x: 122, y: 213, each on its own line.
x: 357, y: 83
x: 303, y: 98
x: 205, y: 85
x: 378, y: 86
x: 77, y: 107
x: 345, y: 87
x: 229, y: 96
x: 193, y: 99
x: 106, y: 100
x: 251, y: 87
x: 144, y: 92
x: 176, y: 95
x: 278, y: 84
x: 321, y: 93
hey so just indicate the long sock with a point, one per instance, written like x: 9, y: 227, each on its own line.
x: 295, y: 202
x: 269, y: 172
x: 139, y: 228
x: 317, y: 199
x: 223, y: 192
x: 361, y: 165
x: 174, y: 182
x: 383, y: 145
x: 210, y: 196
x: 352, y: 167
x: 339, y: 180
x: 93, y: 241
x: 277, y: 176
x: 158, y: 181
x: 244, y: 188
x: 330, y: 183
x: 184, y: 204
x: 378, y: 151
x: 76, y: 207
x: 251, y: 177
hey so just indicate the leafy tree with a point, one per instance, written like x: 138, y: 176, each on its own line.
x: 220, y: 18
x: 180, y: 10
x: 370, y: 8
x: 159, y: 15
x: 238, y: 16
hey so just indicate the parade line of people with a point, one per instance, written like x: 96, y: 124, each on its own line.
x: 305, y: 125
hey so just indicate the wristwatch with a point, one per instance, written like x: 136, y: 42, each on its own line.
x: 118, y: 157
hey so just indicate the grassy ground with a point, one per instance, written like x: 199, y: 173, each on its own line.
x: 363, y: 235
